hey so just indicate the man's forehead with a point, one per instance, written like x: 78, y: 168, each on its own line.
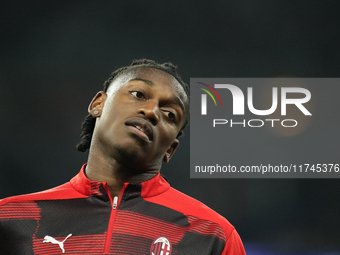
x: 148, y: 75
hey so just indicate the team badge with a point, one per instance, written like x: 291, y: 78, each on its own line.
x: 161, y: 246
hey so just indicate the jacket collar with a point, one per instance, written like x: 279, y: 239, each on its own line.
x: 152, y: 187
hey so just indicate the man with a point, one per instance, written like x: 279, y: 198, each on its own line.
x: 119, y: 203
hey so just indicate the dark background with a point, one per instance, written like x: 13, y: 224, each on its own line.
x: 55, y: 55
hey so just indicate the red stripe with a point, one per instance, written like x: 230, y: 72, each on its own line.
x: 144, y: 226
x: 159, y: 246
x: 141, y: 225
x: 206, y: 227
x: 90, y: 244
x: 95, y: 189
x: 20, y: 210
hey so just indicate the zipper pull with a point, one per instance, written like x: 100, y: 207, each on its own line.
x: 115, y: 202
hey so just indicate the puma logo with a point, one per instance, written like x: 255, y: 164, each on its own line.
x: 50, y: 239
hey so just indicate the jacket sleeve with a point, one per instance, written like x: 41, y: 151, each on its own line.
x: 234, y: 245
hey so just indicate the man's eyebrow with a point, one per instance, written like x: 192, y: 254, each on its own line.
x: 150, y: 83
x: 174, y: 97
x: 178, y: 101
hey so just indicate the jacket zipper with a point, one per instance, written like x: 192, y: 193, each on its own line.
x: 114, y: 205
x: 115, y: 202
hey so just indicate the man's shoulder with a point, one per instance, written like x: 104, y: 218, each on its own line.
x: 197, y: 207
x: 188, y: 205
x: 63, y: 191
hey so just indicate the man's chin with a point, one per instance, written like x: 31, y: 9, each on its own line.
x: 127, y: 155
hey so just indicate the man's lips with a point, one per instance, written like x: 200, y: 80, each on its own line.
x: 142, y: 126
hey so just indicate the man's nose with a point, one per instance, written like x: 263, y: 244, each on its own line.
x: 151, y: 111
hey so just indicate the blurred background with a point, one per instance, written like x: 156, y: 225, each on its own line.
x: 55, y: 55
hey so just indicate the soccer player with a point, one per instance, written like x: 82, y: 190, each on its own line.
x: 119, y: 203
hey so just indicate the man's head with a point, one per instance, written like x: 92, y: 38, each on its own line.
x: 142, y: 111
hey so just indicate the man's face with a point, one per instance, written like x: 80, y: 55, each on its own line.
x: 140, y: 117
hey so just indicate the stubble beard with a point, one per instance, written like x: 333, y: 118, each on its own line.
x: 126, y: 155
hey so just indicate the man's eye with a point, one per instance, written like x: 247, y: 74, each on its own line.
x: 137, y: 94
x: 171, y: 116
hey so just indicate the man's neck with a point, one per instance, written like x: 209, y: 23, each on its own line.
x: 103, y: 169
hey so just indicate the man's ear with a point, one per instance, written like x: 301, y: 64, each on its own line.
x: 170, y: 151
x: 97, y: 104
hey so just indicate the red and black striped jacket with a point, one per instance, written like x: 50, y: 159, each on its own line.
x: 81, y: 217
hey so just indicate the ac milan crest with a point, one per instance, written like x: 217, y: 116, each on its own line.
x: 161, y: 246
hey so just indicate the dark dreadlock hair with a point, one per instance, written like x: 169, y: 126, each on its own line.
x: 88, y: 124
